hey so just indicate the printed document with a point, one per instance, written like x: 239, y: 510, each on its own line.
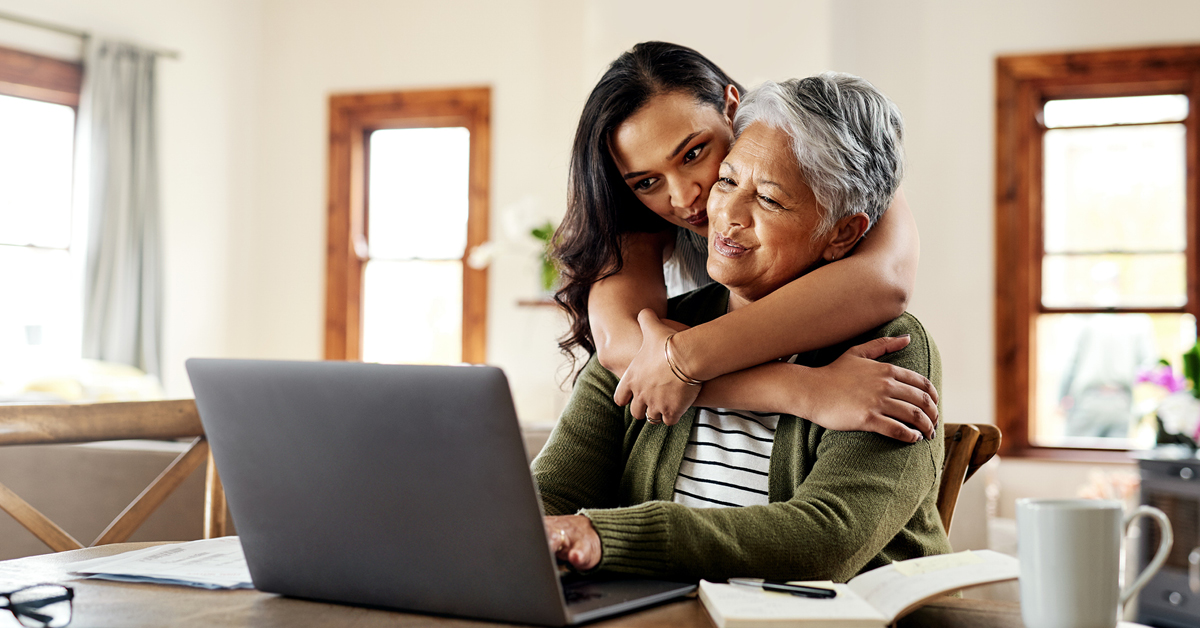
x: 211, y: 564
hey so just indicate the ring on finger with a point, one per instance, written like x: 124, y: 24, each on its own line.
x: 562, y: 535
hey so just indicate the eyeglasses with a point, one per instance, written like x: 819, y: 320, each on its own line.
x: 41, y: 605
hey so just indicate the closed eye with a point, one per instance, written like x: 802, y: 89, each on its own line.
x: 770, y: 202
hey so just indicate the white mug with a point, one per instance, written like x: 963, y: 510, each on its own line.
x: 1069, y: 551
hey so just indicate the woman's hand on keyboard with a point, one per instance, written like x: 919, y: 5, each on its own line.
x: 573, y: 540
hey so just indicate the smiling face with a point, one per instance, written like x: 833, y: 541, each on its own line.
x: 669, y: 152
x: 763, y: 217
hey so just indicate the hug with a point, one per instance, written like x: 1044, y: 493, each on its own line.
x: 735, y: 491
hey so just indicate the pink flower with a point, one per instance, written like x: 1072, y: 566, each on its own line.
x: 1165, y: 376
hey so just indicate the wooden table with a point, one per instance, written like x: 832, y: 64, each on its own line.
x: 101, y: 603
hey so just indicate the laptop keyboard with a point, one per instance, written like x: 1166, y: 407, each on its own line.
x: 577, y: 593
x: 577, y: 587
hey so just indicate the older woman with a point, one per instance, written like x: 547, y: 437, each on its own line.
x: 730, y: 493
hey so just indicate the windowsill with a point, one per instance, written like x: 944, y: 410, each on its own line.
x: 543, y: 302
x: 1087, y: 456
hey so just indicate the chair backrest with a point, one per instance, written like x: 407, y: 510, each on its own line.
x: 968, y: 447
x: 85, y: 423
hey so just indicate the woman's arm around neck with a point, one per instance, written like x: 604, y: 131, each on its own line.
x: 824, y: 307
x: 614, y: 302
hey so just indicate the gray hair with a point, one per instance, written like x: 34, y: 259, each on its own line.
x: 846, y: 135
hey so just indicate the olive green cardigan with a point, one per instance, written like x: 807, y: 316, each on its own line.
x: 840, y: 502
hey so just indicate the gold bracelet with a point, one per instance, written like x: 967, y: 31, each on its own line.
x: 690, y: 381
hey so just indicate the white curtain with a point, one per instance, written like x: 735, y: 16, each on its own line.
x: 119, y: 174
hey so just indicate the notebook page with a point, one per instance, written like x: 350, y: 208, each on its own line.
x: 895, y: 588
x: 733, y: 606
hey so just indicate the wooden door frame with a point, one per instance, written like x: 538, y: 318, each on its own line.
x: 352, y: 117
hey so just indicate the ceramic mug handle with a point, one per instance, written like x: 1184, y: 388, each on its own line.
x: 1160, y: 557
x: 1194, y: 570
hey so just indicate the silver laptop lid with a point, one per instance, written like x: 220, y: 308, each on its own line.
x: 386, y: 485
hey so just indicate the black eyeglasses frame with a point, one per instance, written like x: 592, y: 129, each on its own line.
x: 26, y: 609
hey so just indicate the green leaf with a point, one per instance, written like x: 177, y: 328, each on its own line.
x: 543, y: 232
x: 1191, y: 367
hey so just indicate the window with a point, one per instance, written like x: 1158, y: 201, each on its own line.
x: 408, y: 195
x: 1096, y: 236
x: 41, y: 248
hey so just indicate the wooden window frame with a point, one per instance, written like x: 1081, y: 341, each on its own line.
x: 1023, y: 84
x: 352, y: 117
x: 27, y: 75
x: 44, y: 79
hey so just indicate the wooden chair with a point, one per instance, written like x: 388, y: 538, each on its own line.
x: 968, y: 447
x: 84, y: 423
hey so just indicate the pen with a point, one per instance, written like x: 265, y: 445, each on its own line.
x: 783, y: 587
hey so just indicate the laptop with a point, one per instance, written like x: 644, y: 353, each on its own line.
x: 395, y: 486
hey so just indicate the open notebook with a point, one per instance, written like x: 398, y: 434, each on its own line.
x: 873, y: 599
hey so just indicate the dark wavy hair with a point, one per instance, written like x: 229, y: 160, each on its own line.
x: 600, y: 207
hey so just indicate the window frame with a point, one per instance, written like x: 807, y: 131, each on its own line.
x: 1023, y: 84
x: 33, y: 76
x: 352, y: 118
x: 45, y: 79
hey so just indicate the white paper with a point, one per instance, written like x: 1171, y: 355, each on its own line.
x: 894, y: 588
x: 939, y: 562
x: 211, y: 563
x: 735, y: 606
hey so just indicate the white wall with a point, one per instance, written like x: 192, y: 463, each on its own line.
x: 760, y: 40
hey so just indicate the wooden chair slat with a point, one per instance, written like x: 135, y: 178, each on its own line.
x: 968, y: 447
x: 152, y: 497
x: 214, y: 501
x: 37, y: 523
x: 83, y: 423
x: 986, y: 447
x: 87, y: 423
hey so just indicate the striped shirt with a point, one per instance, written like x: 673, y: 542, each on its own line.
x: 727, y: 459
x: 687, y: 268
